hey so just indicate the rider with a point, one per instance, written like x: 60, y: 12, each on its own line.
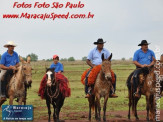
x: 94, y: 58
x: 56, y: 64
x: 143, y: 57
x: 8, y: 64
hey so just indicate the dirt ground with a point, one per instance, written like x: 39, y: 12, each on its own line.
x: 112, y: 116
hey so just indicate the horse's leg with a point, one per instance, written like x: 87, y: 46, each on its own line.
x: 11, y: 98
x: 147, y: 107
x: 99, y: 107
x: 152, y: 108
x: 25, y: 95
x: 20, y: 100
x: 129, y: 104
x: 89, y: 99
x: 96, y: 116
x: 57, y: 113
x: 54, y: 113
x: 136, y: 102
x: 48, y: 106
x: 104, y: 108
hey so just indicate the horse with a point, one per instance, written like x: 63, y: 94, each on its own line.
x: 18, y: 83
x: 102, y: 88
x: 53, y: 95
x: 147, y: 87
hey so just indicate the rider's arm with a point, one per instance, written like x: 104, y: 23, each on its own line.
x: 4, y: 67
x: 138, y: 64
x: 152, y: 63
x: 89, y: 63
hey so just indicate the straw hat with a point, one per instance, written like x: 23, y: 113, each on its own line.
x: 10, y: 43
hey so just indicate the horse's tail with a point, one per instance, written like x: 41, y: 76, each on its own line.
x: 130, y: 90
x: 92, y: 102
x: 128, y: 82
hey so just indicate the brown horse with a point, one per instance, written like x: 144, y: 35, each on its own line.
x: 21, y: 79
x: 101, y: 89
x: 147, y: 87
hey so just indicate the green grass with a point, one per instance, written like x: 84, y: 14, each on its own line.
x: 77, y: 102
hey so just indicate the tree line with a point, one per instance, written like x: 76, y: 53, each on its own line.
x: 34, y: 57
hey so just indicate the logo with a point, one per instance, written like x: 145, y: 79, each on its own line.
x: 149, y: 57
x: 17, y: 112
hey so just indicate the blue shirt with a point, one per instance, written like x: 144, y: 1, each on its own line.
x: 58, y: 67
x: 144, y: 58
x: 9, y: 60
x: 95, y: 56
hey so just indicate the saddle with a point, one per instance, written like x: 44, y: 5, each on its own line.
x: 93, y: 75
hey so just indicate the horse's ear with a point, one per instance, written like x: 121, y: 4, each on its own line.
x: 21, y: 59
x: 28, y: 59
x: 110, y: 57
x: 53, y: 69
x: 46, y: 69
x: 154, y: 59
x: 102, y: 57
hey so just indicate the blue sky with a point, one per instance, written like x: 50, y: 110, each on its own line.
x: 121, y: 23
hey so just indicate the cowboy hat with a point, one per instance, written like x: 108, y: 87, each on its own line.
x: 99, y: 41
x: 10, y: 43
x: 143, y: 42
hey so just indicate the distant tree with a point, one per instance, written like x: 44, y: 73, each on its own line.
x: 131, y: 59
x: 0, y: 56
x: 123, y: 59
x: 50, y: 59
x: 71, y: 59
x: 63, y: 59
x: 33, y: 56
x: 84, y: 58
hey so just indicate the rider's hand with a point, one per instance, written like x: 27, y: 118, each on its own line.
x: 12, y: 67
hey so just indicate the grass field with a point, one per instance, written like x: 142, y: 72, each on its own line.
x: 77, y: 102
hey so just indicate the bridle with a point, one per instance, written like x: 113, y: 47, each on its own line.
x: 56, y: 93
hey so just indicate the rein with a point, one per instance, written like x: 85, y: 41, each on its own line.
x: 51, y: 95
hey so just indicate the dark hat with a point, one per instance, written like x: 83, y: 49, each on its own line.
x: 143, y: 42
x: 99, y: 41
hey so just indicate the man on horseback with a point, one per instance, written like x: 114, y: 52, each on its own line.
x: 8, y: 64
x: 94, y: 59
x: 143, y: 58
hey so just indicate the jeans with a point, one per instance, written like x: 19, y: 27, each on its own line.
x: 114, y: 85
x: 86, y: 81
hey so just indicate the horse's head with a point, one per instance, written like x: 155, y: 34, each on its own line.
x: 27, y: 71
x: 106, y: 67
x: 50, y: 76
x: 159, y: 68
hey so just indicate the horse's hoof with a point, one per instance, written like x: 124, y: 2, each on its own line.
x: 137, y: 119
x: 147, y: 119
x: 129, y: 117
x: 99, y: 119
x: 104, y: 119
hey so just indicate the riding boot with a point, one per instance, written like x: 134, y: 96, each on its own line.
x: 113, y: 89
x: 87, y: 88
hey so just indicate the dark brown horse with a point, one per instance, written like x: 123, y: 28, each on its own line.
x: 102, y: 88
x: 147, y: 87
x: 53, y: 95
